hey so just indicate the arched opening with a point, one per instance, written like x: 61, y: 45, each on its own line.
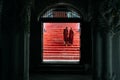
x: 60, y: 10
x: 61, y: 40
x: 51, y: 48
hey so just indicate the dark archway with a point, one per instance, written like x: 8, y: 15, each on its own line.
x: 66, y: 6
x: 36, y: 39
x: 62, y: 54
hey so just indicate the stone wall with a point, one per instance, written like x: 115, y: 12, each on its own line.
x: 106, y: 23
x: 14, y: 30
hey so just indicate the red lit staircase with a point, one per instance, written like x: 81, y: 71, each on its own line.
x: 53, y: 44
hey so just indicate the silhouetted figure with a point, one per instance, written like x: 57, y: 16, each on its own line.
x: 65, y: 34
x: 71, y: 35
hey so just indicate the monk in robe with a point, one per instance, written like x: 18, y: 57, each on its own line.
x: 65, y: 34
x: 71, y: 36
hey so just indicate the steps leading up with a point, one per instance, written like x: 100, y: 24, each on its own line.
x: 53, y: 46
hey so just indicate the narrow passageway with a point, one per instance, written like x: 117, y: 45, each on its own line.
x: 54, y: 48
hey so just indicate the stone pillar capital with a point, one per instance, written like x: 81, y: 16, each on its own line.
x: 106, y: 31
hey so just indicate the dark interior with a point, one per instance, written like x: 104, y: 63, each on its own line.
x: 20, y: 40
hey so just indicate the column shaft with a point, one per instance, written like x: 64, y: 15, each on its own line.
x: 98, y: 56
x: 107, y: 56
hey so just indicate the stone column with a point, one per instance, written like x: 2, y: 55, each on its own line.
x: 97, y: 50
x: 116, y: 56
x: 24, y: 25
x: 27, y: 14
x: 118, y: 75
x: 107, y: 55
x: 15, y: 55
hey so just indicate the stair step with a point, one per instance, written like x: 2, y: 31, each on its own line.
x: 59, y: 35
x: 61, y: 53
x: 63, y: 49
x: 61, y: 58
x: 62, y: 46
x: 58, y: 45
x: 59, y: 38
x: 58, y: 42
x: 48, y: 54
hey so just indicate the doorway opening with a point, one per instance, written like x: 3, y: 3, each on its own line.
x: 49, y: 52
x: 58, y: 44
x: 61, y: 46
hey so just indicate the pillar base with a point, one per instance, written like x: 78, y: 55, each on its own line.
x: 97, y: 78
x: 109, y: 77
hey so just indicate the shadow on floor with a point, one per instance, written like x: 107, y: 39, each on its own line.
x: 60, y: 77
